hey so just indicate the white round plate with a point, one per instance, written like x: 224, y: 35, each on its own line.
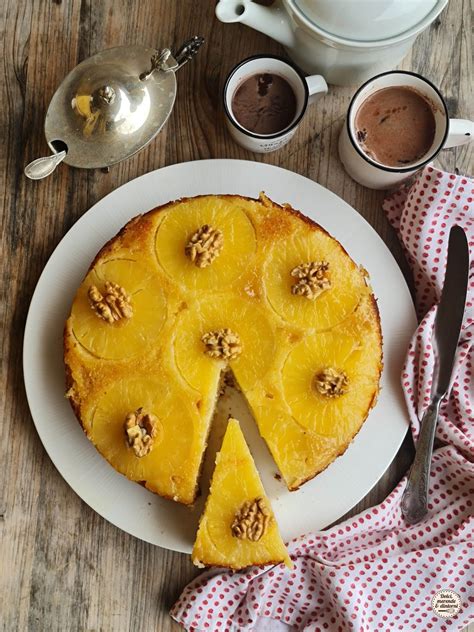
x: 128, y: 505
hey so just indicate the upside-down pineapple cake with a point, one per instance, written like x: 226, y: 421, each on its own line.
x: 209, y: 284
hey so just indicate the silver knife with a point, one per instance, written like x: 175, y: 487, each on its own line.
x: 446, y: 330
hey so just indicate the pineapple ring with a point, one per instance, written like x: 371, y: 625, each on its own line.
x: 127, y: 337
x: 338, y: 417
x: 332, y: 305
x: 242, y: 316
x: 178, y: 225
x: 178, y: 445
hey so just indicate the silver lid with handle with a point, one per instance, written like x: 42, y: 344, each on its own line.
x: 110, y: 106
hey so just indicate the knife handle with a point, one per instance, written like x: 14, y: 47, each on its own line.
x: 414, y: 503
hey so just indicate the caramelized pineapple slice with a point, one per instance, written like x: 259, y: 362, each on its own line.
x: 333, y: 303
x: 330, y: 379
x: 171, y: 466
x: 179, y: 225
x: 126, y: 336
x: 242, y: 317
x: 225, y: 538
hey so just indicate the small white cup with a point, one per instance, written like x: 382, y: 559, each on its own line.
x: 307, y: 90
x: 375, y: 175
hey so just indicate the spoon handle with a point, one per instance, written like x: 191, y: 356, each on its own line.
x: 43, y: 167
x: 414, y: 503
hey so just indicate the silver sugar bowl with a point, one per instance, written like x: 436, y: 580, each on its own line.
x: 110, y: 106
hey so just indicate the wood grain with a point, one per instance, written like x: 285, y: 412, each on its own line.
x: 62, y: 566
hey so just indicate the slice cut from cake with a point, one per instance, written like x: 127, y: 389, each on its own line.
x: 238, y: 527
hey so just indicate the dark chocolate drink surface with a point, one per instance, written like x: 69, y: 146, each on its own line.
x: 395, y: 126
x: 264, y: 104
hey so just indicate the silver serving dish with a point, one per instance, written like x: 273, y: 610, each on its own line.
x: 110, y: 106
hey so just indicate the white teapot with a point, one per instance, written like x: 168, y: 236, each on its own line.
x: 347, y: 41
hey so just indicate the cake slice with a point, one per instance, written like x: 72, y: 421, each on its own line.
x: 238, y: 527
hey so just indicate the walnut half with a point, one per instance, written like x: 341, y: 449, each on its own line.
x: 312, y: 279
x: 251, y: 521
x: 331, y: 382
x: 222, y: 344
x: 112, y: 306
x: 204, y: 246
x: 141, y: 428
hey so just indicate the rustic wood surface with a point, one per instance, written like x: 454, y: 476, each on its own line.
x: 62, y: 566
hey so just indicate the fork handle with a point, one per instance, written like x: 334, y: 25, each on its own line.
x: 414, y: 503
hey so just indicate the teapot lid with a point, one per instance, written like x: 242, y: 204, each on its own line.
x: 366, y: 20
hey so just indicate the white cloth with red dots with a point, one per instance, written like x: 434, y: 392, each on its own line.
x: 374, y: 572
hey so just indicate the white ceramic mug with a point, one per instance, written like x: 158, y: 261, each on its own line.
x: 375, y: 175
x: 306, y: 89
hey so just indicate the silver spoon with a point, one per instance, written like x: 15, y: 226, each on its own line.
x: 43, y: 167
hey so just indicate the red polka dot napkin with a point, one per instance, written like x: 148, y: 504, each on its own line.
x: 423, y: 216
x: 374, y: 572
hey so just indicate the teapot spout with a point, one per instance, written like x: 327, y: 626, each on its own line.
x: 272, y: 21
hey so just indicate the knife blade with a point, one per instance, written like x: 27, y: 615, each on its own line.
x: 448, y: 321
x: 445, y: 338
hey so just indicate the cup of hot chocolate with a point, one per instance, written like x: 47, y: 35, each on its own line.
x: 265, y: 98
x: 397, y: 122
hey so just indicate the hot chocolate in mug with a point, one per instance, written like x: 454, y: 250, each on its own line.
x: 306, y: 90
x: 364, y: 167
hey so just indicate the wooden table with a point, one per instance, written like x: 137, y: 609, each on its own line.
x: 62, y: 566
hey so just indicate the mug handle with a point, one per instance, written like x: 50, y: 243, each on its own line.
x: 461, y: 131
x: 317, y: 87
